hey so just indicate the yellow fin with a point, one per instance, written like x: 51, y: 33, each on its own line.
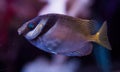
x: 101, y: 37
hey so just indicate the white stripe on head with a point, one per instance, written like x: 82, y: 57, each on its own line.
x: 35, y: 32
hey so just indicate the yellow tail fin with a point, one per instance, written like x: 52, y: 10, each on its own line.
x: 101, y: 37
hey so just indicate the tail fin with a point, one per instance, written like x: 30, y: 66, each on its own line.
x: 101, y: 37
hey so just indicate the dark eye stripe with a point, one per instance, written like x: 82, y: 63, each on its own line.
x: 49, y: 24
x: 35, y: 21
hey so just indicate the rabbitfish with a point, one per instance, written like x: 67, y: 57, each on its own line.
x: 62, y: 34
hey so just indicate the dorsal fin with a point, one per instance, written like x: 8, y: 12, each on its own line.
x: 88, y: 27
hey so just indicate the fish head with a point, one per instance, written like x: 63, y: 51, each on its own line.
x: 33, y: 28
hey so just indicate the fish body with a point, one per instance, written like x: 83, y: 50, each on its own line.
x: 62, y: 34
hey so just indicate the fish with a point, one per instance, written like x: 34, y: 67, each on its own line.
x: 64, y: 35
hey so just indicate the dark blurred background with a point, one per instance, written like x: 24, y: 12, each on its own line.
x: 15, y: 51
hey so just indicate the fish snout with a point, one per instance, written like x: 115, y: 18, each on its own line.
x: 22, y: 29
x: 19, y: 32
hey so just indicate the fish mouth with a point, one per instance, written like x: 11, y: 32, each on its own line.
x: 22, y: 28
x: 19, y: 32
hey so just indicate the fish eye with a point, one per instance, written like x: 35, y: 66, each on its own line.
x: 31, y: 25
